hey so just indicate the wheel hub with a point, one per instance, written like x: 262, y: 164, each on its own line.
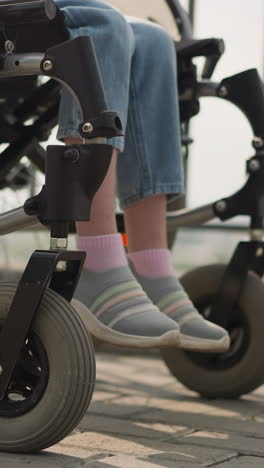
x: 29, y: 380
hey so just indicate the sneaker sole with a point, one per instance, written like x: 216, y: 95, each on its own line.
x: 108, y: 335
x: 191, y: 343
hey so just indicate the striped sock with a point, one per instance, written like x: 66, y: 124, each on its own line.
x: 102, y: 252
x: 110, y: 291
x: 152, y: 263
x: 168, y: 295
x: 154, y: 271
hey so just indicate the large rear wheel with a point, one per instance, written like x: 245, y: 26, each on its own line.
x: 239, y: 370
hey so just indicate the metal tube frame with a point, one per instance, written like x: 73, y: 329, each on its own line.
x: 14, y: 220
x: 21, y: 65
x: 252, y: 189
x: 29, y: 64
x: 62, y: 270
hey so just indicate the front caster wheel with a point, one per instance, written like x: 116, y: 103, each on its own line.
x: 239, y: 370
x: 53, y: 381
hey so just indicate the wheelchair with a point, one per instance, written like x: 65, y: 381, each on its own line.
x: 47, y: 364
x: 229, y: 295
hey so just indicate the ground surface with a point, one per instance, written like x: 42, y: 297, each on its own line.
x: 140, y: 417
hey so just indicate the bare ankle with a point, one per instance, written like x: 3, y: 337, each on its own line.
x: 73, y: 141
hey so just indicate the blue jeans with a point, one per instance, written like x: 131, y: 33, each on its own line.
x: 138, y: 66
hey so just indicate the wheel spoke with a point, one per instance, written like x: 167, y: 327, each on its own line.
x: 29, y: 379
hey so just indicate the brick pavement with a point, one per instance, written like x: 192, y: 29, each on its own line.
x: 141, y: 417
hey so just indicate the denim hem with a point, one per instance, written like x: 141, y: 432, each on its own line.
x: 67, y: 133
x: 175, y: 189
x: 63, y: 133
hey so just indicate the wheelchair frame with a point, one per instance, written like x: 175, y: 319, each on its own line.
x: 234, y: 300
x: 79, y: 167
x: 59, y: 269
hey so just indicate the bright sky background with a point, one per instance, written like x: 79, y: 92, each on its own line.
x: 221, y: 133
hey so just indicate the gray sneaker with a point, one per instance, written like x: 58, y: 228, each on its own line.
x: 196, y: 333
x: 116, y: 310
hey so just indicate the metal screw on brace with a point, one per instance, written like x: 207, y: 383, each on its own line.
x: 254, y: 165
x: 87, y: 127
x: 71, y: 154
x: 9, y: 47
x: 47, y: 65
x: 1, y: 370
x: 221, y: 206
x: 256, y: 235
x: 58, y: 243
x: 61, y: 266
x: 223, y: 91
x: 257, y: 142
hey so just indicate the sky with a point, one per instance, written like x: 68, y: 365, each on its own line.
x: 221, y: 133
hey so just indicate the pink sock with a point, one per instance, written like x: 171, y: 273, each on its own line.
x: 153, y: 263
x: 102, y: 252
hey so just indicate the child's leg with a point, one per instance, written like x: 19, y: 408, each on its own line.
x: 152, y: 264
x: 125, y: 316
x: 120, y: 312
x: 149, y: 168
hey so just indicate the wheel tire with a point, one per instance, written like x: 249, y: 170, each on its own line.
x: 227, y: 375
x: 70, y: 381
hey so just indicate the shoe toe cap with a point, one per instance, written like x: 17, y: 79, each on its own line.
x: 203, y: 329
x: 146, y: 324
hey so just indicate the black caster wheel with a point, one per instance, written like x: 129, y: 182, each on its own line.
x: 53, y: 381
x: 239, y: 370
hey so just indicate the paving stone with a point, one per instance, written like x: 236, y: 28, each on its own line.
x: 246, y: 406
x: 202, y: 420
x: 116, y: 408
x: 100, y: 395
x: 243, y: 462
x: 134, y: 403
x: 43, y: 460
x: 184, y: 404
x: 144, y: 385
x: 150, y: 382
x: 121, y: 461
x: 108, y: 425
x: 142, y: 363
x: 165, y: 463
x: 236, y: 442
x: 181, y: 411
x: 147, y: 449
x: 193, y: 455
x: 78, y: 453
x: 141, y: 417
x: 113, y: 444
x: 148, y: 379
x: 165, y: 430
x: 115, y: 362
